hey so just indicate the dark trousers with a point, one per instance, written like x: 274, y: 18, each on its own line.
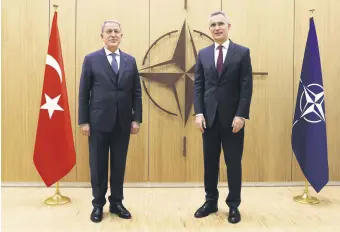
x: 100, y: 143
x: 232, y: 144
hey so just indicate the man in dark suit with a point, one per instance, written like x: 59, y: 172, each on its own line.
x: 223, y: 90
x: 110, y: 108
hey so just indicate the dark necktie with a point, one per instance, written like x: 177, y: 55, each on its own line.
x: 114, y: 63
x: 220, y: 59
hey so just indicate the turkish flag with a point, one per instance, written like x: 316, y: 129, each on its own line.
x: 54, y: 153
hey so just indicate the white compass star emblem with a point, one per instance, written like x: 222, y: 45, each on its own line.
x: 311, y: 103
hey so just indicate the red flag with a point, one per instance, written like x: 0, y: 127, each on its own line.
x: 54, y: 153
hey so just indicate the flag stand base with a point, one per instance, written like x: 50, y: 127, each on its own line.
x: 57, y: 199
x: 306, y: 198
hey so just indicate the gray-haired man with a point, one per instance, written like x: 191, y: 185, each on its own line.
x: 110, y: 108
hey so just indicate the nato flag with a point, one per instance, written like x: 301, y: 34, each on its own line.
x: 309, y: 138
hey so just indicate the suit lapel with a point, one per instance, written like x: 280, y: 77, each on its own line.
x: 122, y: 66
x: 211, y: 59
x: 229, y: 56
x: 107, y: 67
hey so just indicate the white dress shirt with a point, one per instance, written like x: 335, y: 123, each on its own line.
x: 224, y: 50
x: 109, y: 56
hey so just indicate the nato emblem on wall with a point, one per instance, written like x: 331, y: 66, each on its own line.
x: 185, y: 71
x: 170, y: 79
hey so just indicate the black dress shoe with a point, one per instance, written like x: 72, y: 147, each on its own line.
x: 207, y: 208
x: 234, y: 216
x: 97, y: 214
x: 120, y: 210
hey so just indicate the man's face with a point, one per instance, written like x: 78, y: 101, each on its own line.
x: 219, y: 28
x: 112, y: 35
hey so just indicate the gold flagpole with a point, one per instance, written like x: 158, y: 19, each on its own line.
x: 57, y: 198
x: 306, y: 198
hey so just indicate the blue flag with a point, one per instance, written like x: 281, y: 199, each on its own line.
x: 309, y: 138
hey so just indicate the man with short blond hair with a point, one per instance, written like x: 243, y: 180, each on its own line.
x: 223, y: 91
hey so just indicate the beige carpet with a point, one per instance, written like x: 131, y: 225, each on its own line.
x: 170, y: 209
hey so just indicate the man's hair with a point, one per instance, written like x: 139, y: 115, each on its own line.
x: 219, y: 12
x: 110, y: 21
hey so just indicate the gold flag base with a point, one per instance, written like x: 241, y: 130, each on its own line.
x: 57, y: 199
x: 306, y: 198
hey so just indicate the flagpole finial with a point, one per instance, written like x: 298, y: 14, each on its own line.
x: 311, y: 11
x: 55, y: 7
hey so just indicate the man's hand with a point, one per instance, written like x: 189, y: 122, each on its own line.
x: 200, y: 122
x: 134, y: 127
x: 85, y: 129
x: 238, y: 124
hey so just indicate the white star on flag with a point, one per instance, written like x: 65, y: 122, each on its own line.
x: 51, y: 105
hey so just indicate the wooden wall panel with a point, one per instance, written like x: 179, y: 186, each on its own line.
x: 29, y: 82
x: 167, y: 160
x: 327, y: 22
x: 266, y: 27
x: 166, y: 131
x: 134, y: 18
x: 24, y: 46
x: 197, y: 16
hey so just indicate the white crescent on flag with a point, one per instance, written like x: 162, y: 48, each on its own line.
x: 54, y: 64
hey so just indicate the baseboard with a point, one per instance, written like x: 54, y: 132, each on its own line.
x: 162, y: 185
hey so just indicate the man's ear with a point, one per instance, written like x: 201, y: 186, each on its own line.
x: 101, y: 35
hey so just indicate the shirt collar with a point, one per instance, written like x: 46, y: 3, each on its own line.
x: 108, y: 52
x: 225, y: 44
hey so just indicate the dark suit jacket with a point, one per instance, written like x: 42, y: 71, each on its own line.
x: 230, y: 93
x: 100, y: 96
